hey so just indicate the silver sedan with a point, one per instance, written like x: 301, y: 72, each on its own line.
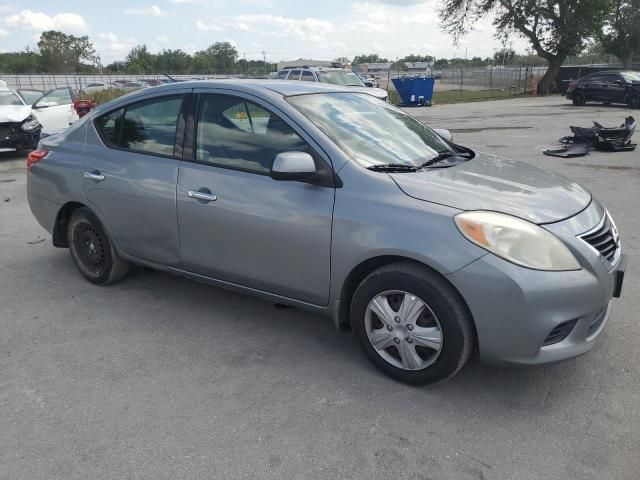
x: 333, y: 201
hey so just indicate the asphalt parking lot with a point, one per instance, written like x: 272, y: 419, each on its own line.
x: 159, y: 377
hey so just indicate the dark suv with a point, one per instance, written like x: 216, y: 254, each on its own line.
x: 607, y: 87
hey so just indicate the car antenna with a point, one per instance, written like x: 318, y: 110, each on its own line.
x: 170, y: 78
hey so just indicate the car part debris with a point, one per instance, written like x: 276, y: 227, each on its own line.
x: 608, y: 139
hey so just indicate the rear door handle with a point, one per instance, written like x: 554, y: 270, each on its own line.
x: 203, y: 196
x: 97, y: 176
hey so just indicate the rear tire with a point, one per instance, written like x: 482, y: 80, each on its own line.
x: 579, y: 98
x: 92, y: 250
x: 634, y: 101
x: 427, y: 335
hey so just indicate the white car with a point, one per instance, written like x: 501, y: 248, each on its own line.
x: 335, y: 76
x: 24, y: 114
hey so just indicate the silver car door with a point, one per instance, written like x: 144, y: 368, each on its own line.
x: 239, y: 225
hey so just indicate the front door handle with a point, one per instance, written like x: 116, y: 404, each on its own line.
x: 203, y: 196
x: 97, y: 176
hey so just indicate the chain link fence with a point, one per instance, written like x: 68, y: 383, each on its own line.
x: 78, y: 82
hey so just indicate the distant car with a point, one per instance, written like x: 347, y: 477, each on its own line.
x: 93, y: 87
x: 334, y: 76
x: 368, y: 80
x: 133, y: 85
x: 608, y: 87
x: 24, y: 114
x: 332, y: 200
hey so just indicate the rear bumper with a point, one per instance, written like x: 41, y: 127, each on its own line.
x: 516, y: 309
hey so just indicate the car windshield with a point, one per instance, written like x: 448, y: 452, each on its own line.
x: 631, y: 76
x: 371, y: 131
x: 340, y: 77
x: 9, y: 98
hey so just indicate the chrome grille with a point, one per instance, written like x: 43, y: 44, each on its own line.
x: 604, y: 239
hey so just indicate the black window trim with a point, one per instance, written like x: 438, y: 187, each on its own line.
x: 323, y: 163
x: 177, y: 148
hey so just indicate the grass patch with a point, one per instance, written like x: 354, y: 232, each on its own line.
x: 464, y: 96
x: 104, y: 96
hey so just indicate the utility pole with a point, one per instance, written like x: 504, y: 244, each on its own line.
x: 264, y: 60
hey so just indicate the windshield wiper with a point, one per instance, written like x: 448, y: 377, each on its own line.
x: 443, y: 155
x: 393, y: 167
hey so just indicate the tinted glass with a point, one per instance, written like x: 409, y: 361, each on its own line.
x: 369, y: 130
x: 237, y: 134
x: 294, y: 75
x: 631, y: 76
x: 9, y: 98
x: 307, y: 76
x: 610, y: 78
x: 109, y: 126
x: 340, y: 77
x: 150, y: 126
x: 283, y: 73
x: 30, y: 96
x: 59, y: 96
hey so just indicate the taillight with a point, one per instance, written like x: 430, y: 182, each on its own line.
x: 35, y: 156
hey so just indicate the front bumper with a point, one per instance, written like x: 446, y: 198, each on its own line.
x: 517, y: 310
x: 12, y: 137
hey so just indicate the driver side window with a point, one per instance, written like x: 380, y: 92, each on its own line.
x: 237, y: 134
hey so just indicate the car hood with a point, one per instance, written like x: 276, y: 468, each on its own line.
x: 488, y: 182
x: 376, y: 92
x: 14, y: 113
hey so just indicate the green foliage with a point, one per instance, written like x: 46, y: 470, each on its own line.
x: 104, y: 96
x: 621, y: 35
x: 370, y: 58
x: 139, y: 60
x: 19, y: 62
x: 556, y: 29
x: 62, y: 53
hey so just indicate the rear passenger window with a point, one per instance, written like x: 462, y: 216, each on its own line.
x: 109, y: 126
x: 241, y: 135
x: 150, y: 126
x: 307, y: 76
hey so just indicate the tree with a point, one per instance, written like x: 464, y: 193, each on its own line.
x: 172, y: 61
x: 140, y: 60
x: 221, y: 56
x: 621, y: 35
x: 19, y: 62
x: 556, y: 29
x: 370, y: 58
x: 62, y: 53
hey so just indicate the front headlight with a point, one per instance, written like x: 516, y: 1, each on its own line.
x: 516, y: 240
x: 30, y: 124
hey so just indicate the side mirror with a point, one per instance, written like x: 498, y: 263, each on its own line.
x: 618, y: 82
x: 369, y: 84
x: 444, y: 133
x: 294, y: 166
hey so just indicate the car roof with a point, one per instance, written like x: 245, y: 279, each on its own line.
x: 282, y: 87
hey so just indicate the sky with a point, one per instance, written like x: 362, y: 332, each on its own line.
x: 283, y: 29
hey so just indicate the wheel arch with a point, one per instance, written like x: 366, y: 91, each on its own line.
x: 366, y: 267
x: 59, y: 235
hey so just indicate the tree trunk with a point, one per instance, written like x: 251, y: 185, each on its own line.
x: 548, y: 80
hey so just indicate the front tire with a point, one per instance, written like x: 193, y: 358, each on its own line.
x: 634, y: 101
x: 579, y: 98
x: 92, y: 250
x: 412, y: 324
